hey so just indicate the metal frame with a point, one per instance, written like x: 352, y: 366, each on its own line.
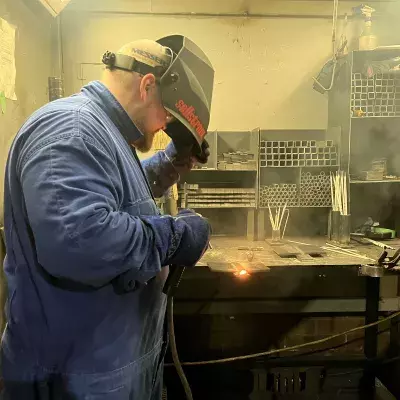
x: 371, y: 307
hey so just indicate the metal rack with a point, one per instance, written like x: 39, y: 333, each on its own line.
x: 315, y: 190
x: 194, y: 196
x: 229, y: 180
x: 365, y: 107
x: 299, y: 153
x: 237, y: 161
x: 279, y: 195
x: 295, y: 172
x: 378, y: 96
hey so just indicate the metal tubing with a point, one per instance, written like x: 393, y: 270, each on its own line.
x: 344, y: 233
x: 215, y: 15
x: 335, y: 225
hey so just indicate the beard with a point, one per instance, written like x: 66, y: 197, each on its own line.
x: 145, y: 143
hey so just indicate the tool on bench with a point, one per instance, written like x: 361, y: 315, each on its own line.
x: 371, y: 229
x: 360, y: 238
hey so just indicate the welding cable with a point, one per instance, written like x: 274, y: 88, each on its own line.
x: 357, y: 371
x: 312, y: 352
x: 174, y: 350
x: 290, y: 348
x: 322, y: 350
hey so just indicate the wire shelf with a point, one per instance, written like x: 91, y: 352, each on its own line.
x: 378, y: 96
x: 298, y: 153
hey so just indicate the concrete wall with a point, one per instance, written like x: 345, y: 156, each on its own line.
x: 33, y: 63
x: 264, y: 65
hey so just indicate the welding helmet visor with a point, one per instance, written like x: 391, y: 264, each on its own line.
x: 187, y: 85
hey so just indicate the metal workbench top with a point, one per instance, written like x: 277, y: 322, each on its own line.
x: 230, y: 254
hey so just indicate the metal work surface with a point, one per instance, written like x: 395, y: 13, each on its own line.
x: 233, y: 254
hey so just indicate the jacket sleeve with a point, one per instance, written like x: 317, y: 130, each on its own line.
x: 165, y: 168
x: 72, y: 196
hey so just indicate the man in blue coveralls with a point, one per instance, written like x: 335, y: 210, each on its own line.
x: 87, y: 250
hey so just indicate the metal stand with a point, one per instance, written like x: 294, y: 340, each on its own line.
x: 367, y: 389
x: 251, y: 233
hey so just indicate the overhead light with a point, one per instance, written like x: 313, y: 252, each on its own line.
x: 54, y: 7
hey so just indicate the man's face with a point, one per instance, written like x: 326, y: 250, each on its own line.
x: 154, y: 116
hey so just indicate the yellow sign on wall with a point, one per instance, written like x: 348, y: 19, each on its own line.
x: 7, y: 60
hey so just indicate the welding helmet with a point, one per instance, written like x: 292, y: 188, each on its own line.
x: 185, y: 76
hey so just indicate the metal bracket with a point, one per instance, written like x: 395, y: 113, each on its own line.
x: 371, y: 271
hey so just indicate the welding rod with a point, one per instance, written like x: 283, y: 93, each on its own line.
x: 284, y: 229
x: 347, y: 254
x: 345, y: 194
x: 379, y: 244
x: 271, y: 218
x: 283, y: 213
x: 277, y: 218
x: 348, y: 251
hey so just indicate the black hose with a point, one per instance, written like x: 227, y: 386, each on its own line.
x: 174, y: 350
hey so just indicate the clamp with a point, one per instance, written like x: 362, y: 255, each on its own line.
x: 389, y: 262
x: 383, y: 264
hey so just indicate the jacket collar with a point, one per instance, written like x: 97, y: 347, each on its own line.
x: 103, y: 98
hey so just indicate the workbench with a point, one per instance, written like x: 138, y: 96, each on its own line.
x: 216, y: 285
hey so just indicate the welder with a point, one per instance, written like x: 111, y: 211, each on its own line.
x: 87, y: 249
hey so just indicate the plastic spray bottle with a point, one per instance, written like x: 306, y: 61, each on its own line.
x: 367, y: 39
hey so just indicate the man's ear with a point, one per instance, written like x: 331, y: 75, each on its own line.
x: 147, y: 83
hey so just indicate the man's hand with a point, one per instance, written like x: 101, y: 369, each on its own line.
x: 195, y: 240
x: 202, y: 155
x: 187, y: 149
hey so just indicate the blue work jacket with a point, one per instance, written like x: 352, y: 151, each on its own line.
x: 86, y: 255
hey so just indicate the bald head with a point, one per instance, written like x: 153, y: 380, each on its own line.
x: 138, y: 92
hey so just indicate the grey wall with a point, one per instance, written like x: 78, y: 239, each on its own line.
x: 264, y: 66
x: 33, y: 63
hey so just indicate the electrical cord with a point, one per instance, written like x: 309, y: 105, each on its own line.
x: 334, y: 50
x: 174, y: 350
x: 357, y: 371
x: 276, y: 351
x: 322, y: 350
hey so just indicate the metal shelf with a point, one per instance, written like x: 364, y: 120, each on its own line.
x: 204, y: 169
x: 302, y: 166
x: 266, y: 208
x: 381, y: 181
x: 237, y: 170
x: 221, y: 206
x: 377, y: 116
x: 223, y: 170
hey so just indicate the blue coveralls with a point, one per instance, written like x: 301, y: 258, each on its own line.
x: 86, y: 248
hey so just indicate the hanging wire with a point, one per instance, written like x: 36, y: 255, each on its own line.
x: 334, y: 54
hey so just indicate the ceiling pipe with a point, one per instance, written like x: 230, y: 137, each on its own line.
x: 210, y: 15
x: 220, y: 15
